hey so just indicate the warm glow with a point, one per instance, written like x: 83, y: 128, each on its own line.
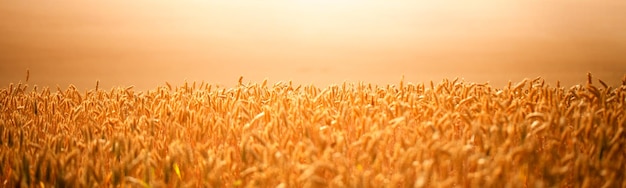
x: 312, y: 93
x: 146, y: 43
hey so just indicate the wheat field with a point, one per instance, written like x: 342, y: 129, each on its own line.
x: 447, y: 134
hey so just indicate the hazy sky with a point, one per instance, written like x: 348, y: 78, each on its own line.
x: 146, y: 43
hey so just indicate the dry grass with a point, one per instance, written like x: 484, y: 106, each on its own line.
x: 450, y: 134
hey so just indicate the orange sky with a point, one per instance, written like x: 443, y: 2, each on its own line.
x: 146, y: 43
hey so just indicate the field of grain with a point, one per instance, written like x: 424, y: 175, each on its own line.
x: 447, y: 134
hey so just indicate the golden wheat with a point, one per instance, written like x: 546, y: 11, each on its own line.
x: 451, y: 134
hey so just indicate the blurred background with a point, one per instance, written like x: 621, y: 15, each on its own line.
x: 321, y: 42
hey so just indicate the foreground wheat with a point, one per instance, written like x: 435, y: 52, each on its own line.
x: 452, y: 134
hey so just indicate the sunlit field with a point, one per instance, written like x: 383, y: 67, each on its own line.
x: 448, y: 133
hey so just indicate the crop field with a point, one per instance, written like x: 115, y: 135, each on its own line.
x: 450, y: 133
